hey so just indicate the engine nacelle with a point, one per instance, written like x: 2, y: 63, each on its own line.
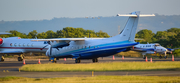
x: 1, y: 41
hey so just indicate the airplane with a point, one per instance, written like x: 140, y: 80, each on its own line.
x: 152, y: 48
x: 16, y: 45
x: 92, y: 48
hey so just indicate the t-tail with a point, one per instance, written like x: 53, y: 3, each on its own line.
x: 129, y: 31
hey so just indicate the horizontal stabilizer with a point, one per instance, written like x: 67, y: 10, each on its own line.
x: 131, y: 15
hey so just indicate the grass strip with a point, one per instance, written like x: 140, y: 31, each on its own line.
x: 108, y: 66
x: 8, y: 78
x: 98, y: 79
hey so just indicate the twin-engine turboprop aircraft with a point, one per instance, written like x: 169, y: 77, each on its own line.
x: 152, y: 49
x: 92, y: 48
x: 18, y: 46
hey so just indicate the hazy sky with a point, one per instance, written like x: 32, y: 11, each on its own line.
x: 17, y: 10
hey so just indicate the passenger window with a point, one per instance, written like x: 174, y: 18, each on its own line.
x: 15, y: 44
x: 27, y: 44
x: 24, y: 45
x: 11, y: 44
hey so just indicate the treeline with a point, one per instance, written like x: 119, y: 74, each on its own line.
x: 169, y: 38
x: 67, y: 32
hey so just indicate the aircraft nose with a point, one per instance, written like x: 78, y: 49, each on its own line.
x: 164, y: 49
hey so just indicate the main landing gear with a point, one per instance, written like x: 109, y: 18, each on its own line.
x: 1, y: 58
x: 21, y: 57
x: 95, y: 60
x: 144, y: 57
x: 54, y: 60
x: 77, y: 60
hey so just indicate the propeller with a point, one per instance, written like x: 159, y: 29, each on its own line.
x: 49, y: 51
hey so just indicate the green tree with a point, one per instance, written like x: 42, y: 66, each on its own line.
x: 145, y: 34
x: 32, y: 34
x: 51, y: 34
x: 15, y: 33
x: 175, y: 30
x: 42, y: 35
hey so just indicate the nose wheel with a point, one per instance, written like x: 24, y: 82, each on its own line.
x: 54, y: 60
x: 95, y: 60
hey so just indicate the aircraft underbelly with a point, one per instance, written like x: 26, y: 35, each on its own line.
x: 103, y: 53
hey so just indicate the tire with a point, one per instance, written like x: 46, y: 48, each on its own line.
x: 95, y: 60
x: 20, y: 59
x: 2, y: 59
x: 77, y: 61
x: 144, y: 57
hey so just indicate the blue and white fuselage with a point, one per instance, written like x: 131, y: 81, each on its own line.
x: 151, y: 49
x: 90, y: 48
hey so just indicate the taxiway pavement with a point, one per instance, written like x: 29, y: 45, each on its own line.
x: 10, y: 67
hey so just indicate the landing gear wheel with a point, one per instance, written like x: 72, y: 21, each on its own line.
x: 2, y: 59
x: 95, y: 60
x: 54, y: 61
x: 77, y: 61
x: 144, y: 57
x: 20, y: 59
x: 165, y: 57
x: 160, y: 56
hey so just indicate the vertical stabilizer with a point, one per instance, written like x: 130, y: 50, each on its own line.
x: 129, y: 30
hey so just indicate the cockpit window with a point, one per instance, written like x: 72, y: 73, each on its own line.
x: 157, y: 45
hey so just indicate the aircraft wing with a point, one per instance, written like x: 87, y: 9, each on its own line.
x: 11, y: 52
x: 65, y: 39
x: 61, y: 42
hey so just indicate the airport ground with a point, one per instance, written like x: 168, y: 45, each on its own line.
x: 10, y: 67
